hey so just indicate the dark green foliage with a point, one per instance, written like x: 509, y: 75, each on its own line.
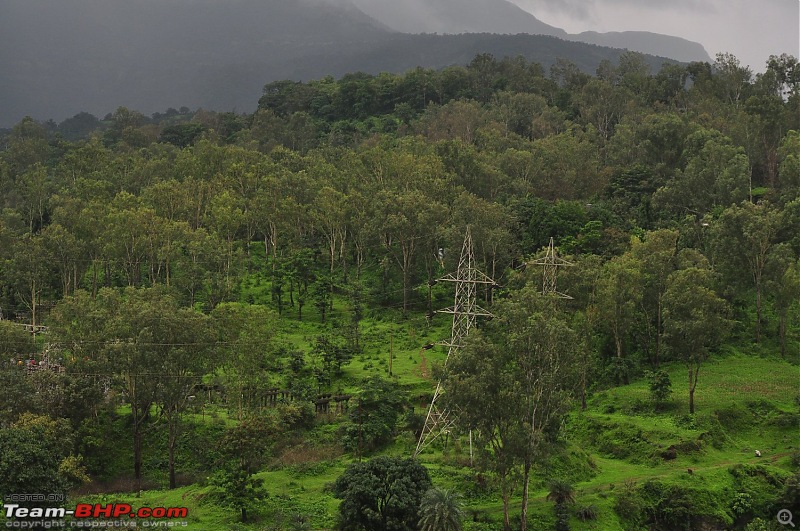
x: 333, y: 352
x: 790, y: 498
x: 760, y: 491
x: 441, y: 510
x: 664, y: 507
x: 28, y: 464
x: 660, y: 387
x: 374, y: 416
x: 617, y: 440
x: 243, y: 450
x: 16, y: 394
x: 239, y: 489
x: 181, y: 135
x: 587, y: 512
x: 562, y: 494
x: 382, y: 494
x: 79, y: 126
x: 35, y: 458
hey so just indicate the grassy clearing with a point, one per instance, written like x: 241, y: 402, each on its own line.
x: 744, y: 402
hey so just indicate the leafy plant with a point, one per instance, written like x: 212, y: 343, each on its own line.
x: 382, y: 494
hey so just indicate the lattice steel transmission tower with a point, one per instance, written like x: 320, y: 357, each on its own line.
x: 465, y: 309
x: 550, y: 264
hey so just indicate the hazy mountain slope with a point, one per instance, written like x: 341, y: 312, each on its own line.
x: 402, y: 52
x: 647, y: 42
x: 502, y: 16
x: 455, y: 16
x: 61, y: 58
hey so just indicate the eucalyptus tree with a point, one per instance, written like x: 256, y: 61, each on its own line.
x: 618, y: 302
x: 742, y: 238
x: 657, y: 253
x: 141, y: 342
x: 512, y: 386
x: 695, y: 320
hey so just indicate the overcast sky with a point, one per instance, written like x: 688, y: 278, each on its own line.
x: 752, y: 30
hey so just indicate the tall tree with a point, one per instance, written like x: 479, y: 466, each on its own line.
x: 408, y: 218
x: 695, y: 321
x: 619, y: 295
x: 246, y: 337
x: 155, y: 350
x: 512, y: 387
x: 742, y: 238
x: 29, y: 273
x: 657, y: 254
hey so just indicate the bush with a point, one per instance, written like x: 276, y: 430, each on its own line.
x: 587, y: 512
x: 374, y: 417
x: 659, y: 506
x: 660, y: 387
x: 382, y: 493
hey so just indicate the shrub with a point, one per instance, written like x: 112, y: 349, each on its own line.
x: 374, y: 417
x: 587, y: 512
x: 660, y: 387
x: 382, y: 493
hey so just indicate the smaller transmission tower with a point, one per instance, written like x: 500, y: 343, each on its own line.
x: 465, y: 309
x: 550, y: 264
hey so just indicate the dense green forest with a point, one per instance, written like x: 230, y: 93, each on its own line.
x: 242, y: 307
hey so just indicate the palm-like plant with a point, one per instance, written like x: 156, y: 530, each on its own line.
x: 440, y: 510
x: 562, y: 494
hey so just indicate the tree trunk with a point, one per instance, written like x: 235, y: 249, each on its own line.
x: 506, y: 519
x: 525, y: 484
x: 406, y: 281
x: 658, y: 333
x: 618, y: 345
x: 758, y: 310
x: 94, y: 280
x: 137, y: 454
x: 33, y: 307
x: 172, y: 438
x: 583, y: 388
x: 692, y: 386
x: 782, y: 334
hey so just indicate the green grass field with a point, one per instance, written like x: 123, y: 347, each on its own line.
x: 744, y: 403
x: 615, y: 451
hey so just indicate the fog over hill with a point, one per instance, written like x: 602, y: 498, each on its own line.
x: 505, y: 17
x: 456, y: 16
x: 60, y: 58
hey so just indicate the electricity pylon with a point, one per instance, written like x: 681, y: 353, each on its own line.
x: 465, y: 309
x: 550, y: 264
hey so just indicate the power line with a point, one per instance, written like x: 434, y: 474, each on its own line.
x: 464, y: 310
x: 550, y: 264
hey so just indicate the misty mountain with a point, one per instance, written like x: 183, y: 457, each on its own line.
x: 647, y: 42
x: 503, y: 16
x: 456, y: 16
x: 62, y: 57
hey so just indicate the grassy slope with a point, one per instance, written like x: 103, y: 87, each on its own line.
x: 744, y: 402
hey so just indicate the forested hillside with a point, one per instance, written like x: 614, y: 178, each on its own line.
x: 88, y: 55
x: 237, y: 312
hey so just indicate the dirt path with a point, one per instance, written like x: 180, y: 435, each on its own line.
x: 423, y: 365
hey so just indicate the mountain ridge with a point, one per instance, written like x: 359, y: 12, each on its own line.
x: 62, y: 58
